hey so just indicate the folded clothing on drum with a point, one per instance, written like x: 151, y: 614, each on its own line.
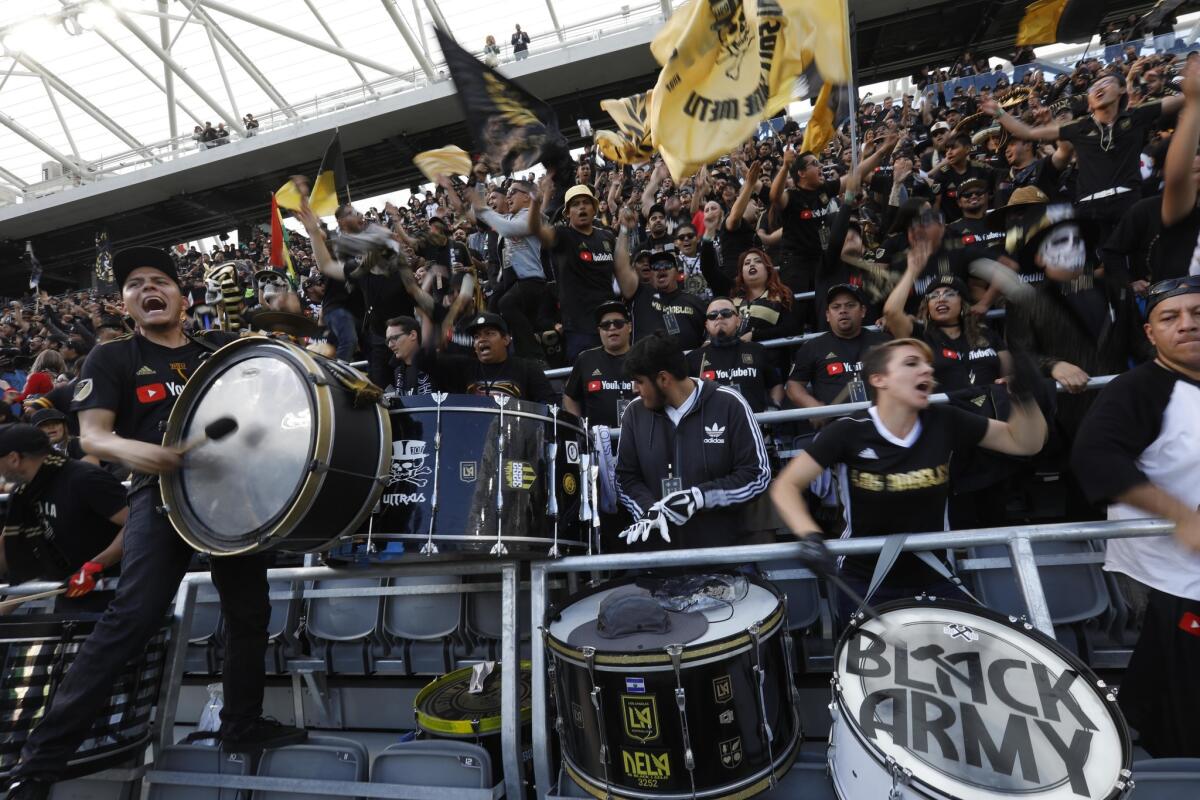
x: 634, y: 616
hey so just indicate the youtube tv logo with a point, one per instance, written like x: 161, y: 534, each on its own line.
x: 594, y: 386
x: 836, y: 368
x: 152, y: 393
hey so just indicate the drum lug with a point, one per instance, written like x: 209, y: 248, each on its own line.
x: 552, y: 672
x: 760, y: 678
x: 589, y: 658
x: 675, y: 651
x: 1126, y: 781
x: 900, y: 779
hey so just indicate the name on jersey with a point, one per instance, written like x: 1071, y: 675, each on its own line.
x: 157, y: 392
x: 814, y: 213
x: 843, y: 368
x: 610, y: 386
x: 954, y: 355
x: 901, y: 481
x: 729, y: 374
x: 664, y: 308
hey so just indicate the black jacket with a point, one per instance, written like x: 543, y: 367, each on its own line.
x: 717, y: 447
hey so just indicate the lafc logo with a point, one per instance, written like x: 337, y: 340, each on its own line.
x: 714, y: 434
x: 641, y: 717
x: 723, y: 689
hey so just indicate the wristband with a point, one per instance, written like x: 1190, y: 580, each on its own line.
x: 999, y: 113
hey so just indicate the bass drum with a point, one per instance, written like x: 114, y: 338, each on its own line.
x: 714, y: 718
x: 946, y: 701
x: 469, y: 458
x: 305, y: 465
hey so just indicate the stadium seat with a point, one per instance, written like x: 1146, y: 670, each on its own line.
x: 320, y: 758
x: 424, y: 625
x: 1166, y: 779
x: 204, y: 640
x: 803, y: 595
x: 1074, y: 592
x: 484, y: 628
x: 202, y: 760
x: 434, y: 762
x: 343, y: 631
x: 285, y: 615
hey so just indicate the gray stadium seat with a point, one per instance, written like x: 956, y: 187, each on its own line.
x: 281, y: 641
x: 203, y: 648
x: 434, y: 762
x: 1074, y: 592
x: 803, y: 596
x: 202, y: 760
x: 1166, y: 779
x: 320, y: 758
x: 424, y: 625
x: 344, y: 630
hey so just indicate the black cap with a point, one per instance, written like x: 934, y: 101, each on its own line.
x: 127, y: 260
x: 657, y: 208
x: 946, y: 282
x: 610, y: 306
x: 849, y: 288
x: 487, y: 319
x: 48, y: 415
x: 19, y: 437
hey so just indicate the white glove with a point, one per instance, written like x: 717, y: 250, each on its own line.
x: 640, y: 530
x: 678, y: 507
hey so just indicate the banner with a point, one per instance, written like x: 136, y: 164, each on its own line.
x: 35, y: 267
x: 104, y: 270
x: 1051, y: 21
x: 281, y: 255
x: 831, y: 108
x: 449, y: 160
x: 632, y: 143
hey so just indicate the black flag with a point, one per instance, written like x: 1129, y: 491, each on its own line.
x: 513, y: 129
x: 35, y: 267
x: 104, y: 270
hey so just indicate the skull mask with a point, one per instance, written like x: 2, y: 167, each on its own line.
x: 1063, y: 249
x: 212, y: 291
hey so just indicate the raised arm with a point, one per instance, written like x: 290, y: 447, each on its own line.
x: 779, y: 197
x: 329, y: 266
x: 734, y: 218
x: 537, y: 227
x: 627, y: 277
x: 1042, y: 133
x: 656, y: 178
x: 899, y: 323
x: 1179, y: 182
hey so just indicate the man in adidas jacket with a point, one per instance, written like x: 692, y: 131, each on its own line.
x: 690, y: 456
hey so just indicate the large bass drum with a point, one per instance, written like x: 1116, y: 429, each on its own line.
x: 713, y: 716
x: 305, y: 465
x: 505, y: 482
x: 955, y: 702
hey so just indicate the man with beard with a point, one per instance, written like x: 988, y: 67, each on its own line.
x: 731, y: 361
x: 491, y: 370
x: 699, y: 265
x: 125, y: 394
x: 664, y: 306
x: 691, y: 454
x: 598, y: 387
x: 825, y: 367
x: 657, y: 232
x: 972, y: 227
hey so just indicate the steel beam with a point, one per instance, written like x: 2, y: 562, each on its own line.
x: 237, y: 13
x: 38, y: 142
x: 240, y: 57
x: 436, y: 13
x: 334, y: 38
x: 61, y: 120
x: 409, y: 38
x: 554, y: 19
x: 164, y: 37
x: 233, y: 122
x: 160, y: 86
x: 212, y: 42
x: 666, y: 8
x: 13, y: 179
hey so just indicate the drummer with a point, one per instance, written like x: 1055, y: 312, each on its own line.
x: 123, y: 398
x: 894, y: 466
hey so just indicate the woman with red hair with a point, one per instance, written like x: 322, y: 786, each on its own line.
x: 763, y: 300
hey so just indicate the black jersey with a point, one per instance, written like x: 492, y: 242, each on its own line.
x: 743, y: 366
x: 1110, y: 155
x: 514, y: 377
x: 959, y: 367
x: 946, y: 181
x: 584, y: 267
x: 978, y: 232
x: 828, y: 363
x: 599, y: 385
x: 892, y: 485
x: 807, y: 218
x: 679, y: 314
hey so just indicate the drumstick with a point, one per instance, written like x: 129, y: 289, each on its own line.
x: 16, y: 601
x: 214, y: 431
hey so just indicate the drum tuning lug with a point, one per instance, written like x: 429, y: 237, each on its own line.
x: 553, y: 552
x: 164, y: 509
x: 498, y: 549
x: 429, y: 549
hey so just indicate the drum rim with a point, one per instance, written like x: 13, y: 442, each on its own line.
x: 1108, y: 699
x: 768, y: 626
x: 456, y: 727
x: 565, y: 418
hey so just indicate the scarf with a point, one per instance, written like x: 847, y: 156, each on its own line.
x: 25, y: 519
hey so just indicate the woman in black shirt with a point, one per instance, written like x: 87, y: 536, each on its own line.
x: 764, y: 301
x: 893, y: 467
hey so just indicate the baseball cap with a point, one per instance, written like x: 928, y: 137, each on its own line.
x: 21, y: 437
x: 657, y: 208
x: 849, y: 288
x: 48, y: 415
x: 662, y: 255
x: 487, y: 319
x: 1171, y: 287
x: 580, y: 190
x: 972, y: 184
x: 939, y: 126
x: 946, y: 282
x: 610, y: 306
x: 127, y: 260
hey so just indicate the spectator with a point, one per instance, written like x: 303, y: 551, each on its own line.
x: 490, y: 370
x: 403, y: 336
x: 491, y: 51
x: 250, y: 124
x: 47, y: 366
x: 761, y: 298
x: 827, y: 369
x: 664, y: 306
x: 520, y: 44
x: 731, y: 360
x: 598, y: 388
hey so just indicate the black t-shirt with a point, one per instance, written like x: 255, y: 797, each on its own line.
x: 893, y: 485
x: 598, y: 384
x: 1041, y: 173
x: 409, y: 380
x: 384, y: 297
x: 680, y: 314
x: 828, y: 363
x: 336, y: 295
x: 1109, y: 156
x: 515, y: 377
x: 807, y: 218
x: 732, y: 243
x: 584, y: 267
x: 744, y: 366
x: 76, y: 506
x: 1155, y: 253
x: 977, y: 232
x: 958, y: 367
x: 946, y: 181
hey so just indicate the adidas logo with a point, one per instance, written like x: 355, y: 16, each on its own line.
x: 145, y: 371
x: 595, y: 373
x: 868, y: 452
x: 715, y: 434
x: 833, y: 356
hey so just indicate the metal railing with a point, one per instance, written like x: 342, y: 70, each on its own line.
x: 1019, y: 540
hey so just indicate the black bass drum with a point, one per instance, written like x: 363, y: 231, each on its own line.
x: 713, y: 717
x: 305, y: 466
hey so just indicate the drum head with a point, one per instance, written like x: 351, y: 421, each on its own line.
x: 241, y: 485
x: 447, y: 707
x: 977, y: 707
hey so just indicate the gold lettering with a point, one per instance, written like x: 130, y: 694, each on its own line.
x: 646, y: 765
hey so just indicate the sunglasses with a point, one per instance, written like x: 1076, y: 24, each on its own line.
x: 972, y: 193
x: 1171, y: 287
x: 661, y: 266
x: 686, y: 237
x: 722, y: 313
x: 944, y: 294
x: 612, y: 324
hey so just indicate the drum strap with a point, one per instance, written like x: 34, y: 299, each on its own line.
x: 363, y: 391
x: 892, y: 547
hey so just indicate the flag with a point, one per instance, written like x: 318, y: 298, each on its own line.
x: 35, y: 267
x: 104, y: 270
x: 330, y: 189
x: 1050, y: 21
x: 632, y: 144
x: 513, y: 129
x: 281, y: 255
x: 831, y: 108
x: 449, y: 160
x: 729, y: 64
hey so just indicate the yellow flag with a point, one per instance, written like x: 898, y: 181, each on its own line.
x: 449, y: 160
x: 632, y: 145
x: 820, y: 126
x: 728, y: 64
x: 288, y: 196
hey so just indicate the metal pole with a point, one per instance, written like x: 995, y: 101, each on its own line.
x: 333, y: 38
x: 554, y: 19
x: 853, y: 92
x: 61, y: 121
x: 666, y: 8
x: 13, y: 179
x: 168, y: 698
x: 421, y: 28
x: 510, y: 678
x: 541, y: 740
x: 1025, y: 567
x: 160, y: 86
x: 33, y: 139
x: 409, y: 38
x: 164, y: 37
x: 435, y: 12
x: 212, y: 42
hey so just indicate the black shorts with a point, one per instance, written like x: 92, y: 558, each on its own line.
x: 1160, y: 694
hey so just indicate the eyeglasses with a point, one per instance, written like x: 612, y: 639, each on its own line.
x: 943, y: 294
x: 721, y: 313
x: 685, y: 237
x: 972, y: 193
x: 1171, y: 287
x: 612, y: 324
x: 395, y: 337
x: 661, y: 266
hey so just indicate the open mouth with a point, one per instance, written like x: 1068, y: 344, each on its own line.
x: 925, y: 387
x: 942, y: 308
x: 152, y: 304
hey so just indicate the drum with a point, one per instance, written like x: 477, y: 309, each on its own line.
x: 507, y: 477
x: 714, y: 717
x: 960, y: 702
x: 446, y: 709
x: 36, y: 652
x: 305, y: 465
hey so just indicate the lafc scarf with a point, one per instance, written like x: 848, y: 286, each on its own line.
x: 26, y: 521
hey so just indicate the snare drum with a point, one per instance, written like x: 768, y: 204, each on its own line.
x: 960, y: 702
x: 539, y: 481
x: 37, y: 652
x: 715, y: 717
x: 305, y: 465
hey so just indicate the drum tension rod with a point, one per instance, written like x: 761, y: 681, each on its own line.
x: 760, y: 678
x: 675, y: 651
x: 900, y: 778
x: 589, y: 658
x: 552, y: 673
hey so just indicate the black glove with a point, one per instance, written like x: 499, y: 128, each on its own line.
x: 815, y: 555
x: 1026, y: 378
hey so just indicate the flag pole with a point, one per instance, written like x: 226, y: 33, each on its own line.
x: 852, y: 89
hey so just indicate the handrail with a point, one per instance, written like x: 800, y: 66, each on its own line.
x: 1019, y: 540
